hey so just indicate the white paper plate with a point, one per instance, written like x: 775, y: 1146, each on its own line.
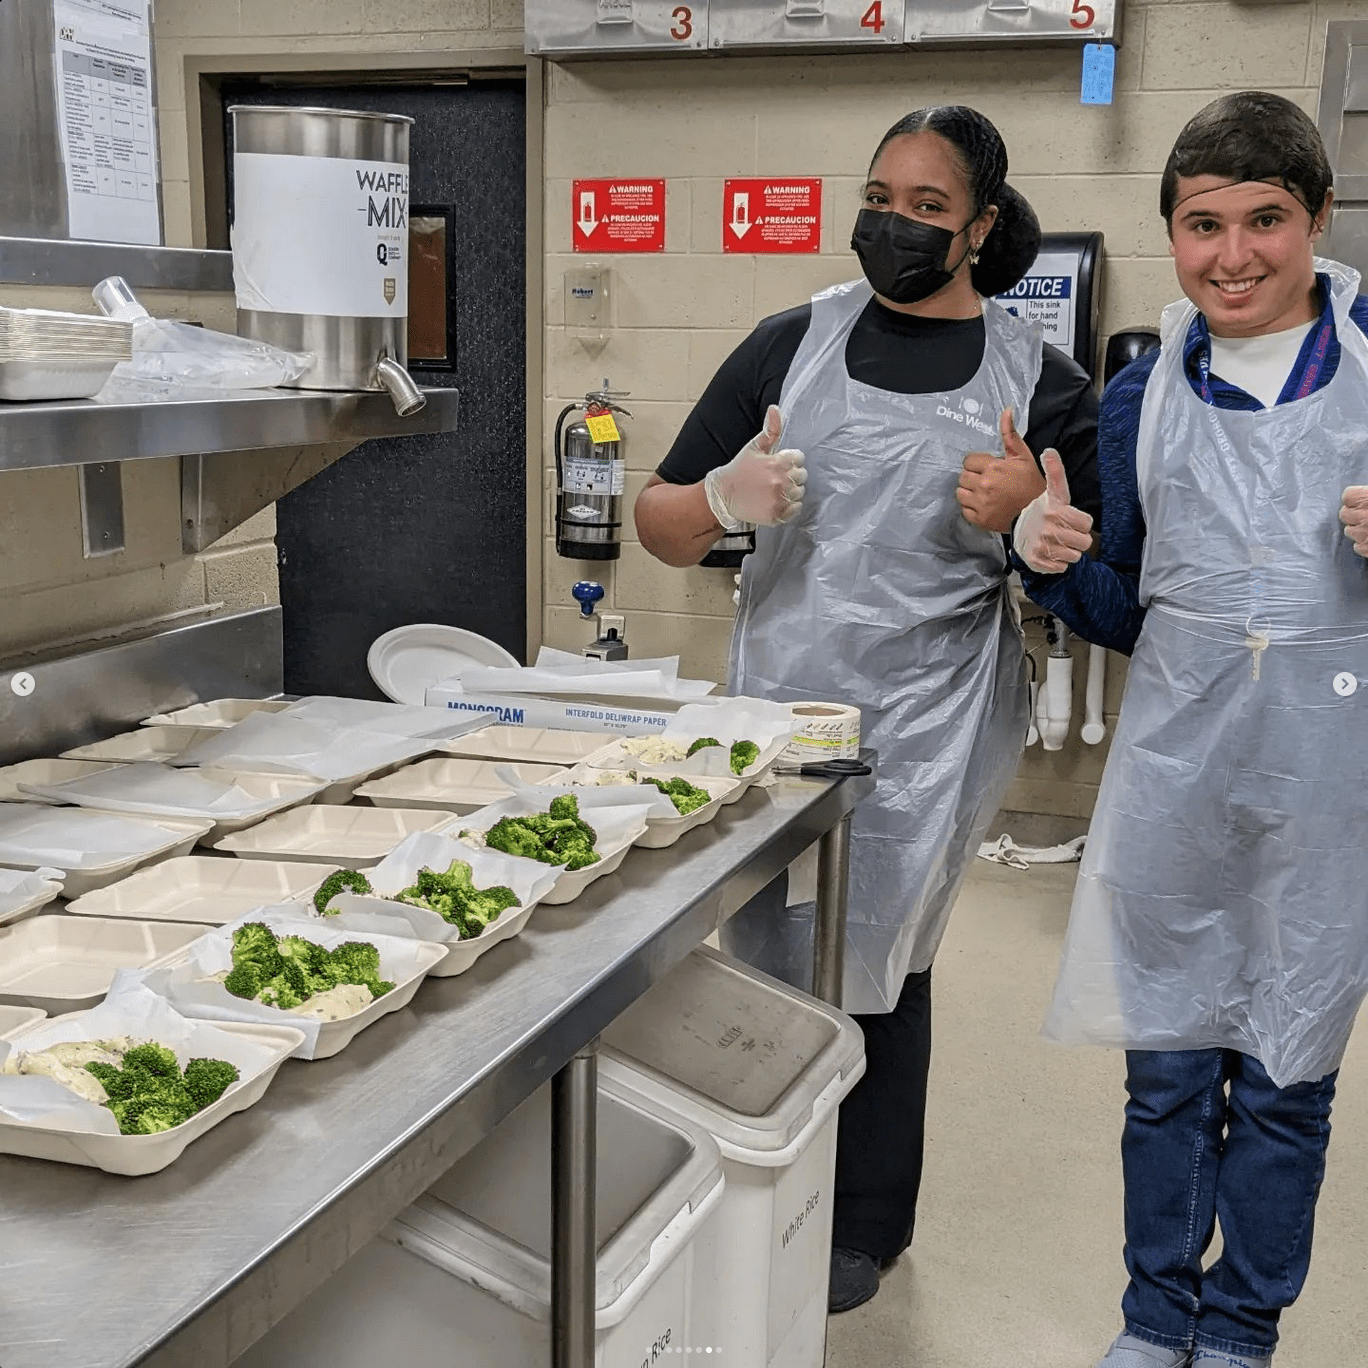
x: 13, y: 1019
x: 222, y: 712
x: 66, y: 964
x: 138, y: 1154
x: 406, y: 661
x: 662, y: 832
x: 201, y: 888
x: 169, y: 836
x: 41, y: 772
x: 453, y: 785
x: 146, y: 743
x: 537, y: 745
x: 344, y: 837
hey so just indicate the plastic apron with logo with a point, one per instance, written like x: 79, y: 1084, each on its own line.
x: 1223, y: 896
x: 882, y: 596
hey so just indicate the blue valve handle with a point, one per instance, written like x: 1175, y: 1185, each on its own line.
x: 587, y: 593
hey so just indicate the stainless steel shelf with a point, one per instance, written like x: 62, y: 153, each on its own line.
x: 191, y: 1265
x: 76, y: 432
x: 57, y: 261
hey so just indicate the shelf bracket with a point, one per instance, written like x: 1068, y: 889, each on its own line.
x: 102, y: 510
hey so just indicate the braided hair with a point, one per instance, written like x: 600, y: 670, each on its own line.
x: 1013, y: 242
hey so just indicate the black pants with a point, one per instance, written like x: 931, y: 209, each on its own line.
x: 882, y: 1128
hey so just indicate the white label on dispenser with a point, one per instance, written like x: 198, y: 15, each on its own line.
x: 320, y: 235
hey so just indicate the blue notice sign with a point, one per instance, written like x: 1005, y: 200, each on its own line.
x: 1099, y: 74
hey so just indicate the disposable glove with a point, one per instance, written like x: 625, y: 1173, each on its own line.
x: 759, y: 484
x: 1051, y: 533
x: 994, y: 489
x: 1354, y: 516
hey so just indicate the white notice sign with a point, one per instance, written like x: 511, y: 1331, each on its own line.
x: 1047, y: 295
x: 107, y: 119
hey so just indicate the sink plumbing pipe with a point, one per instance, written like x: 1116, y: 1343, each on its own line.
x: 1054, y: 702
x: 1094, y: 729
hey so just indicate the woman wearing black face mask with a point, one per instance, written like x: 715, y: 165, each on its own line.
x: 885, y: 470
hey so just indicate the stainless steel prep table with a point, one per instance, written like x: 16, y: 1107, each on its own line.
x: 192, y: 1265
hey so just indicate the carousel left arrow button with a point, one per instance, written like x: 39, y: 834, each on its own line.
x: 22, y: 683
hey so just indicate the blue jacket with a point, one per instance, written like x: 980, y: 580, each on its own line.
x: 1099, y: 599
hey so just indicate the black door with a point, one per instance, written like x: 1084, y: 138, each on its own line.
x: 427, y: 528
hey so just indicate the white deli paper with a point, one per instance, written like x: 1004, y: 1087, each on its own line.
x: 21, y: 886
x: 129, y: 1009
x: 591, y: 796
x: 187, y: 985
x: 69, y: 838
x: 150, y: 787
x: 530, y: 880
x: 727, y: 720
x: 396, y: 719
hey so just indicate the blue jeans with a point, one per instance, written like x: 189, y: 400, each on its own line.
x: 1193, y: 1154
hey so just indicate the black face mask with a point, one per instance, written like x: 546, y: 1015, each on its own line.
x: 903, y: 259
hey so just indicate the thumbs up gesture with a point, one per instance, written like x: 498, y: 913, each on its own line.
x: 1051, y: 533
x: 1354, y: 516
x: 994, y: 489
x: 760, y: 484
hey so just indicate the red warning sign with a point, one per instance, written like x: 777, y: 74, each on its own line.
x: 772, y: 216
x: 618, y: 216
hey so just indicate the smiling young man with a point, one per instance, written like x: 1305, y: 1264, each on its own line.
x: 1219, y: 929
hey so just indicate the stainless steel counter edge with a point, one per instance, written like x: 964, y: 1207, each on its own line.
x: 191, y: 1266
x: 66, y: 433
x: 59, y: 261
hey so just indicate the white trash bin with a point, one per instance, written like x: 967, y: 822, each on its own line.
x: 764, y: 1069
x: 463, y: 1276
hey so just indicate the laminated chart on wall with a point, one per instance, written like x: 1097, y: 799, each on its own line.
x: 107, y: 119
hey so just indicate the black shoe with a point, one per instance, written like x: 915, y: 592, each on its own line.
x: 854, y: 1280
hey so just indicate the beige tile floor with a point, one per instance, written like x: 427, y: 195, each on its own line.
x: 1017, y: 1260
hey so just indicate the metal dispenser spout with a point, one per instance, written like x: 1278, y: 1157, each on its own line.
x: 408, y: 398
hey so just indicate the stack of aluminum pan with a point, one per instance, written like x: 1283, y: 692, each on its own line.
x: 48, y: 355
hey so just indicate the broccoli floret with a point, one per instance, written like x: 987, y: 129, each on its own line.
x: 566, y: 806
x: 117, y: 1084
x: 514, y: 837
x: 156, y: 1117
x: 685, y: 796
x: 255, y: 943
x: 334, y: 884
x: 559, y: 836
x: 743, y: 755
x: 359, y: 957
x: 206, y: 1080
x: 244, y: 980
x: 154, y: 1059
x: 279, y: 993
x: 702, y: 743
x: 454, y: 897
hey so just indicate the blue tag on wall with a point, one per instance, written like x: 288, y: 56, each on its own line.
x: 1099, y: 73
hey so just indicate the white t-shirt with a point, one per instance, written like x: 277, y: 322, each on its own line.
x: 1259, y: 365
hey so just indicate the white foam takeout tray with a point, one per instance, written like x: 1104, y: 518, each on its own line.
x: 456, y: 784
x: 615, y: 756
x: 51, y: 829
x: 418, y: 958
x: 201, y: 888
x: 16, y: 1019
x: 26, y: 890
x: 41, y: 772
x: 343, y: 837
x: 65, y: 964
x: 134, y: 1155
x: 539, y: 745
x: 618, y: 828
x: 661, y: 832
x: 143, y: 743
x: 143, y: 789
x: 222, y: 712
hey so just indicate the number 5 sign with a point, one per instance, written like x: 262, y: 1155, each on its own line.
x: 795, y: 23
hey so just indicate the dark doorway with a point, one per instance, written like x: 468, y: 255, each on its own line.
x: 428, y: 528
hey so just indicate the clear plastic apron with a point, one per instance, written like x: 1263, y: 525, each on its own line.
x: 1223, y: 894
x: 881, y: 595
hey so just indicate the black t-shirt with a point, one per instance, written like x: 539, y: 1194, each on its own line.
x: 892, y: 351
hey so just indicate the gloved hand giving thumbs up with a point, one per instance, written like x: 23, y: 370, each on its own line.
x: 759, y: 484
x: 1051, y: 533
x: 1354, y: 516
x: 994, y: 489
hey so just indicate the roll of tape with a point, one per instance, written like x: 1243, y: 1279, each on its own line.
x: 830, y: 731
